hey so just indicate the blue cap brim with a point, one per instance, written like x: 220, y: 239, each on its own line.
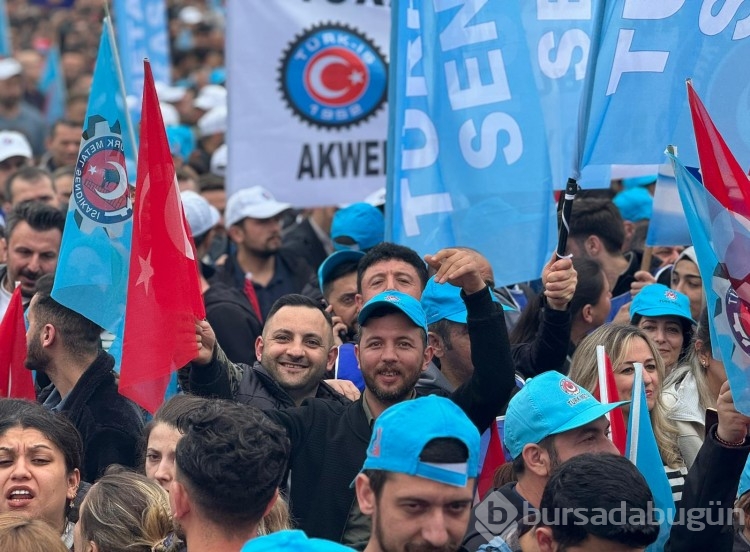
x: 594, y: 413
x: 657, y: 312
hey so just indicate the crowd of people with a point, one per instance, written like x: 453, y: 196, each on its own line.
x: 341, y: 382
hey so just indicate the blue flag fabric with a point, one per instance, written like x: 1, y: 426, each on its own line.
x: 647, y: 50
x: 668, y: 224
x: 468, y: 162
x: 715, y: 232
x: 5, y: 47
x: 52, y: 85
x: 92, y: 270
x: 142, y: 33
x: 642, y: 450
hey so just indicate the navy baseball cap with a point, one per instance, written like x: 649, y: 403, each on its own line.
x: 398, y: 301
x: 333, y: 261
x: 396, y: 444
x: 548, y: 404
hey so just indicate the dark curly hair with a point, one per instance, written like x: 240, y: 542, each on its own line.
x: 231, y: 461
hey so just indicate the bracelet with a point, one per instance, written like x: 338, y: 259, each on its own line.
x: 726, y: 443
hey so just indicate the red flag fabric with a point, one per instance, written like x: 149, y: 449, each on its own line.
x: 164, y: 297
x: 722, y: 175
x: 15, y: 380
x: 616, y: 419
x: 493, y: 459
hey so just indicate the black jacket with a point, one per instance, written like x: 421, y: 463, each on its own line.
x: 232, y: 275
x: 710, y: 489
x: 110, y: 425
x: 233, y: 320
x: 549, y: 348
x: 302, y: 240
x: 329, y: 440
x: 256, y: 388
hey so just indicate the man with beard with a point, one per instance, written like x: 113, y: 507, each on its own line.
x: 418, y: 486
x: 293, y: 354
x: 329, y: 440
x: 33, y: 233
x: 66, y: 347
x: 259, y: 267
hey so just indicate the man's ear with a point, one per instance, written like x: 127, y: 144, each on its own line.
x: 48, y: 335
x: 236, y: 233
x: 179, y: 500
x: 429, y: 352
x: 436, y: 342
x: 537, y: 460
x: 365, y: 494
x: 544, y: 540
x: 333, y: 354
x: 258, y: 347
x: 586, y: 313
x: 271, y: 503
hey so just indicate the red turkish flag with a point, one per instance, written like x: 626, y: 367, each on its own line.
x: 618, y: 432
x: 493, y: 459
x: 164, y: 298
x: 15, y: 380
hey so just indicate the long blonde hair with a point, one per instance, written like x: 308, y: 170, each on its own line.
x: 616, y: 340
x: 125, y: 512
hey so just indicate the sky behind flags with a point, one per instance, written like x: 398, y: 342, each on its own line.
x: 467, y: 160
x: 92, y: 269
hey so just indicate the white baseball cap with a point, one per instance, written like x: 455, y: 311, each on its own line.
x: 167, y: 93
x: 213, y: 122
x: 211, y: 96
x: 200, y: 214
x: 14, y: 144
x: 255, y: 202
x: 169, y: 114
x: 376, y: 198
x: 218, y: 164
x: 9, y: 67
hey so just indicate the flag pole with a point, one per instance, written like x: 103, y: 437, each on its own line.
x: 121, y: 81
x: 636, y: 410
x: 566, y: 208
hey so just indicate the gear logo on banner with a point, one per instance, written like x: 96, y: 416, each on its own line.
x: 100, y: 185
x: 332, y: 76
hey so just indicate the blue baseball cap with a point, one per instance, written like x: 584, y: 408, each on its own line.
x: 361, y: 222
x: 396, y: 300
x: 333, y: 261
x: 292, y: 540
x: 635, y: 204
x: 659, y: 300
x: 396, y: 446
x: 548, y: 404
x: 744, y: 482
x: 444, y: 302
x: 637, y: 181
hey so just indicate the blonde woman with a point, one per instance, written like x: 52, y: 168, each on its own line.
x: 625, y: 346
x: 124, y: 512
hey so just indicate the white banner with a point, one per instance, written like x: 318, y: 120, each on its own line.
x: 307, y: 98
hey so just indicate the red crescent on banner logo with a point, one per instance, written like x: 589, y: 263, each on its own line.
x: 336, y: 77
x: 569, y: 387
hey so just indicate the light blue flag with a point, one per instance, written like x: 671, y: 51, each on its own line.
x: 642, y: 450
x: 647, y: 50
x: 468, y: 162
x: 92, y: 270
x: 716, y: 232
x: 52, y: 85
x: 5, y: 44
x: 668, y: 224
x: 558, y: 36
x: 142, y: 33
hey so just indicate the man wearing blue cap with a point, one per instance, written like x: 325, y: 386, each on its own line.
x: 329, y: 440
x: 418, y: 485
x: 549, y: 421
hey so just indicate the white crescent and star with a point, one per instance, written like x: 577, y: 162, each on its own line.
x: 316, y: 77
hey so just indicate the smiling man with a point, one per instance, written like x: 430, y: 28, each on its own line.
x: 293, y: 354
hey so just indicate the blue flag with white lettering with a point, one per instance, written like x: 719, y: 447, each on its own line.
x: 5, y: 48
x: 647, y: 50
x: 468, y: 161
x: 142, y: 33
x: 92, y: 270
